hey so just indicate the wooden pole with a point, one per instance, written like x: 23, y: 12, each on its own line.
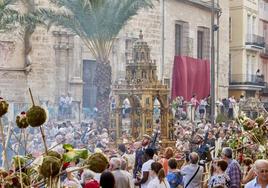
x: 41, y: 129
x: 31, y: 96
x: 21, y: 182
x: 4, y: 153
x: 44, y: 139
x: 25, y: 140
x: 18, y: 140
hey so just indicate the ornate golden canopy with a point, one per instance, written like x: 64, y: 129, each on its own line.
x: 141, y: 87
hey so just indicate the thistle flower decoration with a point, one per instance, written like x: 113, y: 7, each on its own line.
x: 36, y: 116
x: 22, y: 121
x: 3, y: 107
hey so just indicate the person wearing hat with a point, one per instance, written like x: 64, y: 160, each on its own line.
x: 140, y: 153
x: 202, y: 149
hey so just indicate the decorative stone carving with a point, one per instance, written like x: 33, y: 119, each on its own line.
x: 7, y: 48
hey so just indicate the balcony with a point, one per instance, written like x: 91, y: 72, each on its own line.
x: 247, y: 80
x: 255, y: 41
x: 264, y: 53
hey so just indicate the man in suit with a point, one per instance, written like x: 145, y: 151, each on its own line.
x: 202, y: 148
x: 140, y: 153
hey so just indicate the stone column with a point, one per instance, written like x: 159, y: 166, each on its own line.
x: 164, y: 123
x: 75, y: 71
x: 62, y: 48
x: 143, y: 122
x: 77, y: 59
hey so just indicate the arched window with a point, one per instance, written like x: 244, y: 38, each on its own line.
x: 137, y: 56
x: 142, y: 56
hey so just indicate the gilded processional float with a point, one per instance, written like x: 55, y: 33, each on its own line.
x: 141, y: 99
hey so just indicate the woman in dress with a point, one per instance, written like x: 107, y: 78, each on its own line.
x: 219, y: 178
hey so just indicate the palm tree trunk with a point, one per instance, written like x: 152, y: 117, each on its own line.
x: 102, y: 80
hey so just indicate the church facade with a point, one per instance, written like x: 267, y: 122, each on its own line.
x: 61, y: 64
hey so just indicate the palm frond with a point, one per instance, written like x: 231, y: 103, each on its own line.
x: 97, y: 22
x: 8, y: 15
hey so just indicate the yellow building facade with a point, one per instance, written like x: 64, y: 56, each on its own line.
x: 263, y: 30
x: 246, y: 46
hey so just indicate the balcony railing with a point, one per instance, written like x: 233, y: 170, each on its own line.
x: 265, y: 50
x: 255, y: 40
x: 247, y: 79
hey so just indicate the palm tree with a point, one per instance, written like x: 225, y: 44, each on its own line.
x: 29, y: 25
x: 97, y: 22
x: 8, y: 15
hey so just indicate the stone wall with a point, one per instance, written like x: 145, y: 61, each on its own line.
x: 57, y: 56
x: 150, y: 22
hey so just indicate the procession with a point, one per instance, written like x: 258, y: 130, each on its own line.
x: 133, y: 94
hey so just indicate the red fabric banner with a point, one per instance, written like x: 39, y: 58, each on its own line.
x: 190, y: 76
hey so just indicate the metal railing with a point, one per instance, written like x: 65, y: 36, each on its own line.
x: 265, y: 50
x: 247, y: 79
x: 255, y: 40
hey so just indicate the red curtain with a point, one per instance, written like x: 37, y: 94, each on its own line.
x: 190, y: 76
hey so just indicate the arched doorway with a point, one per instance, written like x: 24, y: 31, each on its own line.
x: 126, y: 117
x: 156, y: 113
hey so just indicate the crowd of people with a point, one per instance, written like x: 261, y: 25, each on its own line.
x: 201, y: 157
x: 203, y: 154
x: 79, y: 135
x: 146, y: 168
x: 200, y: 109
x: 65, y: 106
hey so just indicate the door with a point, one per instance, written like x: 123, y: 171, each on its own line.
x: 89, y: 90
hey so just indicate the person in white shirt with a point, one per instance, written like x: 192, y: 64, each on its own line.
x: 145, y: 170
x: 261, y: 170
x: 194, y: 103
x: 220, y: 142
x: 158, y: 175
x: 192, y: 173
x: 231, y: 107
x: 69, y: 101
x: 202, y: 108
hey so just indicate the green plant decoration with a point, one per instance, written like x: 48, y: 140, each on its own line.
x: 3, y: 107
x: 21, y: 121
x: 36, y: 116
x: 50, y: 167
x: 260, y: 120
x: 54, y: 154
x: 97, y: 162
x: 74, y: 154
